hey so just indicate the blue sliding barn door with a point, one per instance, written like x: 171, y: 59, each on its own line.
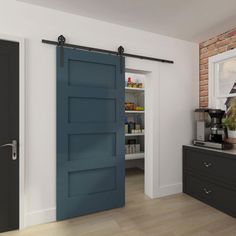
x: 90, y: 133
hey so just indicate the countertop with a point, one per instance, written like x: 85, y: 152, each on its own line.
x: 231, y: 151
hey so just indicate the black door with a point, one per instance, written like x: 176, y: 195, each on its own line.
x: 9, y: 135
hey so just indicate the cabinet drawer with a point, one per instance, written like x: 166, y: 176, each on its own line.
x: 211, y: 164
x: 212, y: 194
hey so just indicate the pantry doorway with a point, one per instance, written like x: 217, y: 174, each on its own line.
x: 141, y: 126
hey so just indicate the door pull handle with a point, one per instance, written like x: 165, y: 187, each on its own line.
x: 207, y: 164
x: 13, y: 145
x: 207, y: 191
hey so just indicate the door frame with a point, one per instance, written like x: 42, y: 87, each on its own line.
x: 22, y: 124
x: 152, y: 122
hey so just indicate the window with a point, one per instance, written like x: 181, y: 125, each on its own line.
x: 222, y: 79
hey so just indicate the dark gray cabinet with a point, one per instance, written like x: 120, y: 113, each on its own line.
x: 210, y: 176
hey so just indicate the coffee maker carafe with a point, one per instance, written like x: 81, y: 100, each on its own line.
x: 217, y: 130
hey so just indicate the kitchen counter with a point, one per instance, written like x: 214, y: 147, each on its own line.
x: 231, y: 151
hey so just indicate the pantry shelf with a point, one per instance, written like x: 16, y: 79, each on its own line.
x: 141, y: 112
x: 134, y: 122
x: 135, y: 134
x: 134, y: 156
x: 134, y: 89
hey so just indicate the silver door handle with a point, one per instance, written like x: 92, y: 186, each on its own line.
x: 207, y: 164
x: 13, y: 145
x: 207, y: 191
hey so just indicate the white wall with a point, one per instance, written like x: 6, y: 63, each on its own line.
x: 178, y: 93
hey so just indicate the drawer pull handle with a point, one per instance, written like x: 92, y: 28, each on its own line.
x: 207, y: 165
x: 207, y: 191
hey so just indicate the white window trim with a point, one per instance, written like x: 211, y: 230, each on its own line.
x: 212, y: 79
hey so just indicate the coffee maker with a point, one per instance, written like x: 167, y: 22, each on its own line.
x: 217, y: 131
x: 210, y: 130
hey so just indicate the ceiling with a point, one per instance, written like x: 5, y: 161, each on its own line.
x: 192, y: 20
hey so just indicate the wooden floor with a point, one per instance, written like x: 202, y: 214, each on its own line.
x: 177, y: 215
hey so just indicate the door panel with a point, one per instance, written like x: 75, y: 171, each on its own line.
x: 103, y: 110
x: 9, y: 130
x: 87, y: 146
x: 87, y: 71
x: 90, y: 133
x: 104, y: 178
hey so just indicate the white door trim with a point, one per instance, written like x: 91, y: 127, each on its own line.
x: 152, y: 122
x: 22, y: 124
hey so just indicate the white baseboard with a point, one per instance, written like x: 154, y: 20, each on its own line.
x: 40, y: 217
x: 171, y: 189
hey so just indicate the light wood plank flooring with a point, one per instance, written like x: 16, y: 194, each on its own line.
x: 177, y: 215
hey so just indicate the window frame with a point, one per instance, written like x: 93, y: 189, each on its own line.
x: 213, y: 77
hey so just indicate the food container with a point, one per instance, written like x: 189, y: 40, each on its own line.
x: 130, y: 106
x: 132, y: 148
x: 127, y: 149
x: 137, y: 148
x: 126, y: 128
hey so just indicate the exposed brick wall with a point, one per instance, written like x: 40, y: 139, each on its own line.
x: 211, y: 47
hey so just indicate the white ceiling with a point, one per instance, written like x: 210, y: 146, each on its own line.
x: 192, y: 20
